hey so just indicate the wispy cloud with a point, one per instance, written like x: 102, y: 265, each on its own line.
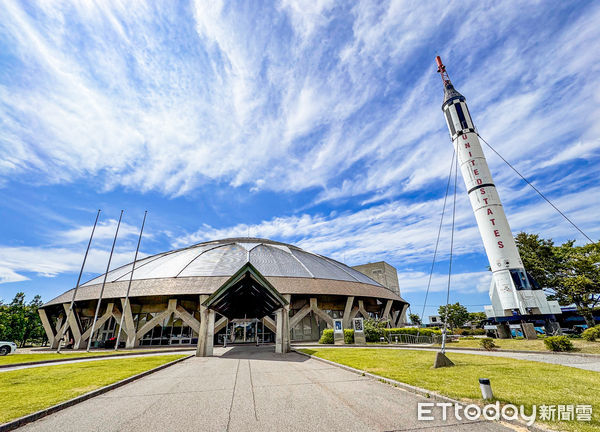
x: 299, y: 96
x: 332, y: 107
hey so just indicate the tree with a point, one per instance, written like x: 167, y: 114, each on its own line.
x: 457, y: 315
x: 414, y: 319
x: 20, y: 322
x: 570, y: 274
x: 476, y: 317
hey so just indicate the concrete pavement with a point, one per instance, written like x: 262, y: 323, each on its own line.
x: 252, y: 389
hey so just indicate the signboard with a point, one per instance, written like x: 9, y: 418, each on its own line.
x: 338, y: 326
x: 515, y: 326
x: 358, y: 325
x: 490, y: 327
x: 359, y: 331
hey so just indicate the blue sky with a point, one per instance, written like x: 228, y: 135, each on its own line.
x: 316, y: 123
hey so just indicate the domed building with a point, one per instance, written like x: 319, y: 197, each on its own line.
x: 239, y: 290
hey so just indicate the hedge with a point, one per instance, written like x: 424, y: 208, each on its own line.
x: 591, y: 334
x: 374, y: 334
x: 558, y: 343
x: 470, y: 332
x: 326, y: 337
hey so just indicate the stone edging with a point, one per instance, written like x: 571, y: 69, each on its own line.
x: 413, y: 389
x: 61, y: 406
x: 41, y: 362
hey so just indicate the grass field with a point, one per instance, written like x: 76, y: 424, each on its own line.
x: 65, y: 355
x: 513, y: 381
x: 25, y: 391
x: 581, y: 345
x: 25, y: 358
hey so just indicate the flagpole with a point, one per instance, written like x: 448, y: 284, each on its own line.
x: 64, y: 327
x: 103, y: 284
x: 129, y: 285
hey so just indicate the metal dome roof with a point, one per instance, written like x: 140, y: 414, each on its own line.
x: 225, y: 257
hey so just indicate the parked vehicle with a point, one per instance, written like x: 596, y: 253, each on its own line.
x: 7, y: 348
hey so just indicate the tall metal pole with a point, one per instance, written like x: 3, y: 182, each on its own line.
x: 64, y: 327
x: 129, y: 285
x: 104, y: 283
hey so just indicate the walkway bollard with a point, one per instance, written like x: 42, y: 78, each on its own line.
x: 486, y: 388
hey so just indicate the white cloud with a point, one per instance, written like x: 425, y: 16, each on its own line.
x: 8, y: 275
x: 50, y: 262
x: 286, y: 98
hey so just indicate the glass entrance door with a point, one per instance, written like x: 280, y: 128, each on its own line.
x: 243, y: 330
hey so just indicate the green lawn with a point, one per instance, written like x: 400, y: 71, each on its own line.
x: 513, y: 381
x: 581, y: 345
x: 25, y: 391
x: 65, y: 355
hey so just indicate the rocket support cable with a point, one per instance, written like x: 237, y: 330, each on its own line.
x: 536, y: 189
x: 444, y: 331
x: 437, y: 241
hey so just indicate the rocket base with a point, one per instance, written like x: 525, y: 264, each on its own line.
x: 442, y: 361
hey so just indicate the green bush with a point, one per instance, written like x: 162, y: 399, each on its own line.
x: 326, y: 337
x: 412, y: 331
x: 374, y: 329
x: 469, y: 332
x: 488, y: 344
x: 467, y: 338
x: 519, y: 338
x: 591, y: 334
x: 558, y: 343
x: 348, y: 336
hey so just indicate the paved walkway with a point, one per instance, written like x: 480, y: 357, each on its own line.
x: 591, y: 363
x: 253, y: 389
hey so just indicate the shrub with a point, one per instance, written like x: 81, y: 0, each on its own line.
x: 374, y: 329
x: 326, y: 337
x: 558, y: 343
x: 591, y: 334
x: 467, y: 338
x: 413, y: 331
x: 348, y: 336
x: 488, y: 344
x: 469, y: 332
x: 519, y: 338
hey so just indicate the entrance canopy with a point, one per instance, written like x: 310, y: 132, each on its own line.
x: 246, y: 294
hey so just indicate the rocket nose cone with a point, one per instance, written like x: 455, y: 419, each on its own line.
x: 450, y: 93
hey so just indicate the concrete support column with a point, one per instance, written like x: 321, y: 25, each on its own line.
x: 58, y: 327
x: 286, y: 324
x: 529, y: 331
x: 503, y: 331
x: 279, y: 331
x: 207, y: 329
x: 73, y: 325
x: 402, y: 319
x: 50, y: 333
x: 362, y: 310
x: 386, y: 311
x: 129, y: 325
x: 282, y: 333
x: 347, y: 311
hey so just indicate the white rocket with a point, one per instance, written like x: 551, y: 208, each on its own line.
x: 513, y: 291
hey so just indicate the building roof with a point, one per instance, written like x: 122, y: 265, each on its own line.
x: 203, y: 268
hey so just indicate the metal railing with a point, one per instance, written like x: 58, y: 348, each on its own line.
x: 401, y: 338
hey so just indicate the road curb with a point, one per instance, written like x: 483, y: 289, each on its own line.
x: 41, y: 362
x: 12, y: 425
x: 414, y: 389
